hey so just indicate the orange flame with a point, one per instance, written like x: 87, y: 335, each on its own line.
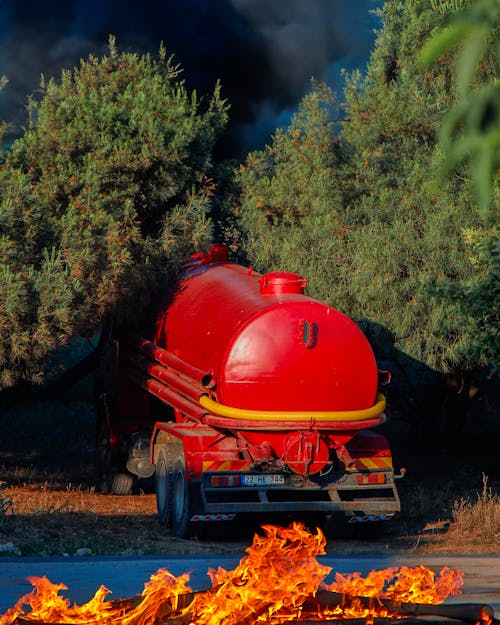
x: 405, y: 585
x: 48, y: 606
x: 270, y: 585
x: 272, y: 582
x: 411, y: 585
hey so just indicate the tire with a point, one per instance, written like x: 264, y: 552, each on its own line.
x: 181, y: 512
x: 185, y: 502
x: 121, y: 483
x: 164, y: 486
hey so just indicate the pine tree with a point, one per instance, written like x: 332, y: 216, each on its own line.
x: 401, y: 252
x: 99, y: 199
x: 419, y: 243
x: 470, y: 138
x: 291, y: 201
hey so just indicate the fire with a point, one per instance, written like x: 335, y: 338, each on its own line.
x: 412, y: 585
x: 408, y: 585
x: 160, y: 595
x: 271, y: 583
x: 277, y: 581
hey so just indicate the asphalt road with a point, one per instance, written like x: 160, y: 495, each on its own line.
x: 126, y: 576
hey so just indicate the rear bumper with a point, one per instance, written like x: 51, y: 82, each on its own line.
x: 358, y: 502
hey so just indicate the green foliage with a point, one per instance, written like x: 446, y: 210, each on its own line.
x: 444, y: 6
x: 359, y: 211
x: 470, y: 133
x: 411, y: 241
x: 117, y: 153
x: 290, y: 196
x: 479, y: 299
x: 471, y: 128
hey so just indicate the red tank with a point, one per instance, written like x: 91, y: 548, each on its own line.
x: 269, y: 346
x: 251, y: 398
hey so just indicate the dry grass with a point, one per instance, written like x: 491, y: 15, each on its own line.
x: 32, y: 500
x: 478, y: 520
x: 470, y: 525
x: 42, y: 521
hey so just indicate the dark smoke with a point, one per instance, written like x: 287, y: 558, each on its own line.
x: 264, y: 51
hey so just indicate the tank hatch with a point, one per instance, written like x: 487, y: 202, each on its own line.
x: 278, y: 282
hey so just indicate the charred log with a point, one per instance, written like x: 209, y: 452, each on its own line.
x: 467, y: 612
x: 399, y: 613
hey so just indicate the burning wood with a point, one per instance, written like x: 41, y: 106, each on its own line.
x: 325, y: 601
x: 279, y: 582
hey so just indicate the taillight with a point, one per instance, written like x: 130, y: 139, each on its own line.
x: 225, y: 481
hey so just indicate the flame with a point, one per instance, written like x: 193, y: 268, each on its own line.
x: 404, y: 585
x: 420, y: 585
x: 411, y: 585
x: 161, y: 593
x: 272, y: 584
x: 272, y: 581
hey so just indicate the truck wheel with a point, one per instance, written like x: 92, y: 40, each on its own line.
x: 121, y: 483
x: 185, y: 503
x: 164, y: 486
x: 181, y: 512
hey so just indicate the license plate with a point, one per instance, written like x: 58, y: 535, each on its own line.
x: 262, y: 480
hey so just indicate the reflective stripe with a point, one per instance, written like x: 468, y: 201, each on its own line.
x: 226, y: 465
x: 367, y: 518
x: 213, y: 517
x: 368, y: 462
x: 378, y: 462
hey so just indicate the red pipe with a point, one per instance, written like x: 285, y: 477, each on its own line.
x: 164, y: 357
x: 161, y: 373
x: 167, y: 395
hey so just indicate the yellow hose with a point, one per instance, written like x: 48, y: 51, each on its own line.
x: 272, y: 415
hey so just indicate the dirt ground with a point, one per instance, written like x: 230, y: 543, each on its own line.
x: 50, y: 503
x: 44, y: 521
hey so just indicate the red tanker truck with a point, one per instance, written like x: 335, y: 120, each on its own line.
x: 247, y: 396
